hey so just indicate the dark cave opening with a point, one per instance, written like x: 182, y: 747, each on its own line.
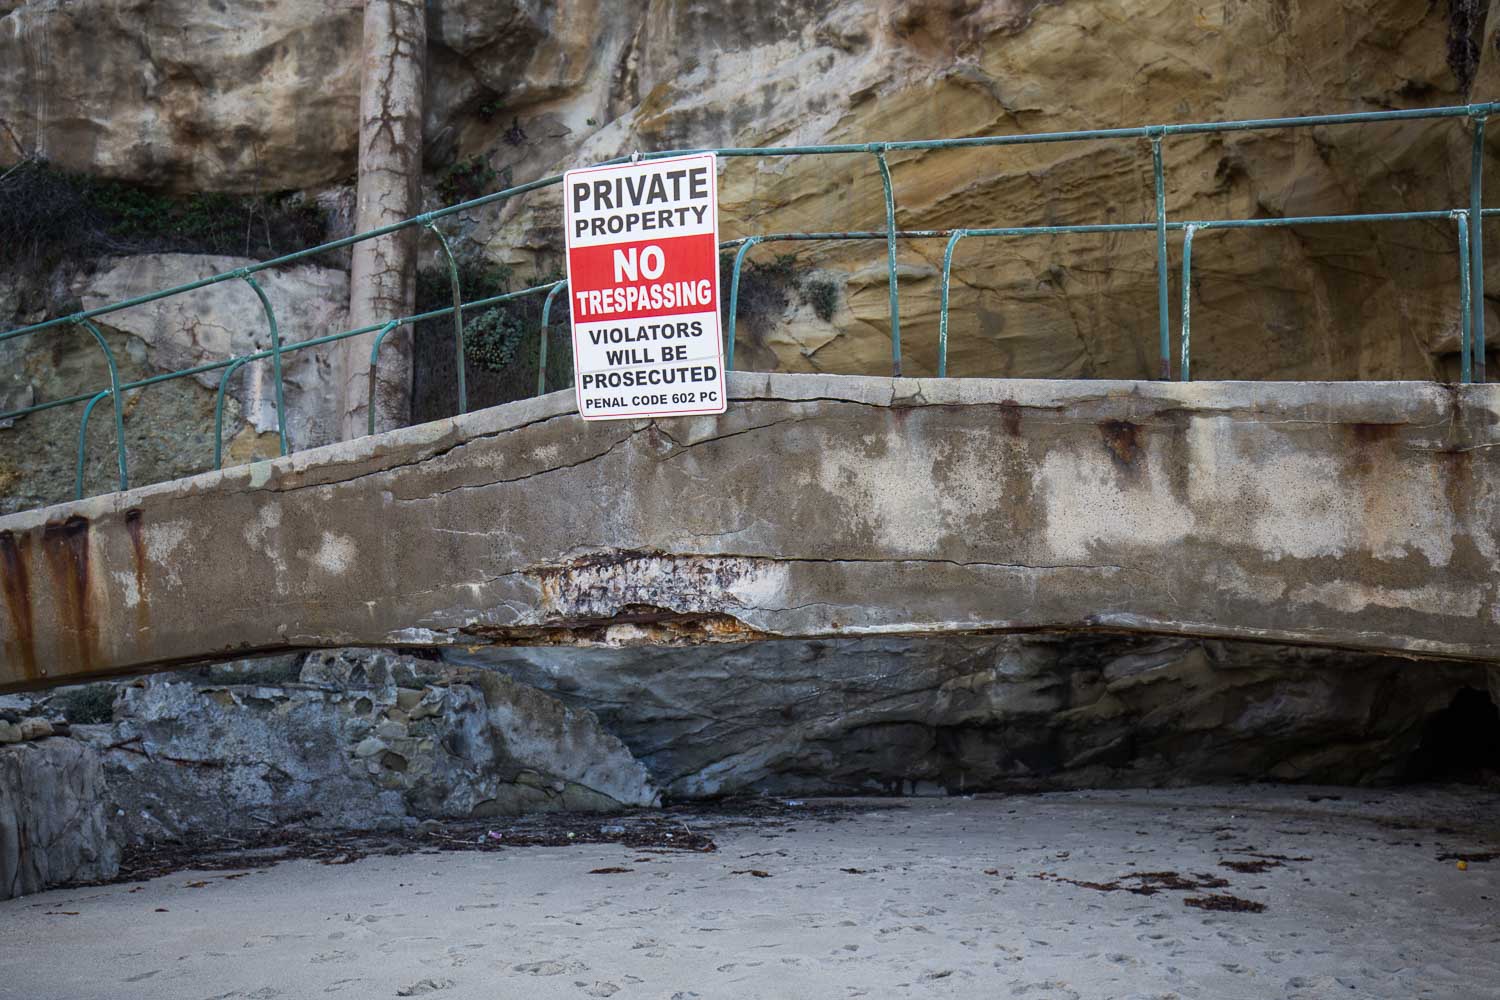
x: 1460, y: 742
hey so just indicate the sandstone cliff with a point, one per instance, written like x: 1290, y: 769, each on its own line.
x: 183, y: 96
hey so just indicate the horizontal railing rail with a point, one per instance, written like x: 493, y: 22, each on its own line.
x: 1469, y: 227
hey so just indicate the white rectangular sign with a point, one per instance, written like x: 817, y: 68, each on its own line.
x: 643, y: 288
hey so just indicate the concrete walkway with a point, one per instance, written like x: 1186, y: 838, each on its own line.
x: 1362, y: 515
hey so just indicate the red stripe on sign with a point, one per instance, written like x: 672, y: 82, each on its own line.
x: 644, y: 278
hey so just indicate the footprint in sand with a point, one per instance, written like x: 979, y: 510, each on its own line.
x: 1050, y: 989
x: 394, y: 945
x: 550, y: 967
x: 424, y: 986
x: 340, y: 985
x: 453, y: 957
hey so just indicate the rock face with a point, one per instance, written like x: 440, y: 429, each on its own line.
x: 530, y: 88
x: 53, y: 820
x: 187, y: 95
x: 361, y: 741
x: 227, y: 320
x: 184, y: 97
x: 356, y: 739
x: 1078, y: 306
x: 981, y: 713
x: 169, y: 427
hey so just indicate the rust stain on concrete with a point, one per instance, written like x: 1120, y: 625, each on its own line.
x: 1123, y: 439
x: 1010, y: 417
x: 1368, y: 440
x: 1366, y: 434
x: 65, y: 545
x: 15, y: 581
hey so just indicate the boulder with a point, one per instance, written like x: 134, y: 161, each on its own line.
x: 53, y: 817
x: 34, y: 729
x: 364, y: 741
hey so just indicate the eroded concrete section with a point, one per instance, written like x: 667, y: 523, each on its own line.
x: 1361, y: 515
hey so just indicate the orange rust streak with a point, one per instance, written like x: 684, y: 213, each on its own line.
x: 66, y: 546
x: 16, y: 583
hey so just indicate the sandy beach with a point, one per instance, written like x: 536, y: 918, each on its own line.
x: 1068, y: 896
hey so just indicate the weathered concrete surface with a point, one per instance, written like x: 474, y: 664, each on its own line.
x: 1363, y: 515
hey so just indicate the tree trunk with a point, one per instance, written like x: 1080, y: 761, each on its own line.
x: 382, y: 280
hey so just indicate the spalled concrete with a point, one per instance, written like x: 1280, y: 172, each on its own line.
x: 1361, y: 515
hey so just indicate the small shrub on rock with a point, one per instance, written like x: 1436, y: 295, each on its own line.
x: 92, y: 704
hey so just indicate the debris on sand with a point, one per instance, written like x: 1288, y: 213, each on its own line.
x: 672, y: 830
x: 1224, y: 903
x: 1470, y: 857
x: 1143, y: 883
x: 1257, y: 867
x: 1273, y: 857
x: 610, y: 871
x: 655, y: 832
x: 752, y: 871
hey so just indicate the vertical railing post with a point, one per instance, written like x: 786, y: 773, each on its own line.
x: 1187, y: 299
x: 1465, y: 362
x: 219, y: 411
x: 275, y: 358
x: 119, y: 406
x: 942, y: 369
x: 541, y: 353
x: 734, y: 300
x: 458, y: 317
x: 83, y: 439
x: 1476, y: 239
x: 890, y: 254
x: 374, y: 360
x: 1159, y: 178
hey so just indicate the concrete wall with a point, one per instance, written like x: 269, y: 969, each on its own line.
x: 1362, y: 515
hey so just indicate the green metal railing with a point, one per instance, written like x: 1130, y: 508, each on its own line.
x: 1469, y: 235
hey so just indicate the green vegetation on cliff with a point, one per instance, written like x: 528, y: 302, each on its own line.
x: 48, y: 216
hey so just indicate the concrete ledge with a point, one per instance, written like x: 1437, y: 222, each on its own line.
x: 1355, y: 514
